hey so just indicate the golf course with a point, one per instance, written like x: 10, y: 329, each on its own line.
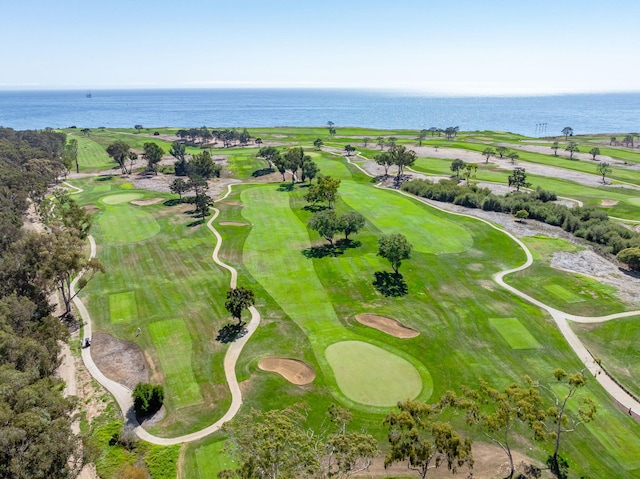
x: 334, y: 323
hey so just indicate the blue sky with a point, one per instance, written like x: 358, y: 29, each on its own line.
x: 465, y: 47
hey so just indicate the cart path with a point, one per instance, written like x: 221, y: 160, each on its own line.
x: 626, y: 400
x: 122, y: 394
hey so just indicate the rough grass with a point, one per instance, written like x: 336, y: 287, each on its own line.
x: 361, y: 368
x: 174, y: 346
x: 514, y: 333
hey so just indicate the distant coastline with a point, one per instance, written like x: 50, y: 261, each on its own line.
x: 384, y: 109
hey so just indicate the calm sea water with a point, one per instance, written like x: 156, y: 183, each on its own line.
x: 533, y: 116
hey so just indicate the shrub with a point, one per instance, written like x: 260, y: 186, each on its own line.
x: 147, y: 398
x: 630, y: 257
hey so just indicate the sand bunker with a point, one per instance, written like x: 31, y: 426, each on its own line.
x: 387, y: 325
x: 233, y: 223
x: 232, y: 203
x: 150, y: 201
x: 91, y: 209
x: 609, y: 202
x: 292, y: 370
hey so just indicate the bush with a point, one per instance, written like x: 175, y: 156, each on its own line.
x: 630, y: 257
x: 147, y: 398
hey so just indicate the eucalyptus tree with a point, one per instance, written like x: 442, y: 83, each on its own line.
x: 567, y: 131
x: 513, y: 156
x: 572, y: 148
x: 604, y: 169
x: 326, y: 224
x: 309, y: 170
x: 488, y: 152
x: 554, y: 146
x: 457, y: 165
x: 518, y: 179
x: 421, y: 136
x: 318, y: 143
x: 177, y: 150
x: 594, y: 152
x: 153, y: 154
x: 384, y: 160
x: 349, y: 149
x: 402, y: 158
x: 119, y: 151
x: 502, y: 150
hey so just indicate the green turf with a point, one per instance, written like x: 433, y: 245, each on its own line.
x: 101, y: 188
x: 122, y: 307
x: 514, y: 333
x: 361, y: 368
x: 126, y: 186
x: 563, y: 293
x: 174, y: 346
x: 125, y: 224
x: 211, y: 459
x: 120, y: 198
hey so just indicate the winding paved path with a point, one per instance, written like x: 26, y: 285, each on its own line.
x: 122, y: 394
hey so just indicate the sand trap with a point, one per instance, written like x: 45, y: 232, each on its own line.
x: 91, y: 209
x: 232, y: 203
x: 292, y: 370
x: 233, y: 223
x: 387, y: 325
x: 150, y: 201
x: 609, y: 202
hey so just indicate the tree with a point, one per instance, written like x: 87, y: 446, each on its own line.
x: 318, y: 143
x: 594, y: 152
x: 238, y: 299
x: 177, y: 150
x: 628, y: 141
x: 555, y: 147
x: 567, y: 131
x: 572, y: 148
x: 630, y: 257
x: 202, y: 165
x: 488, y: 152
x: 153, y: 154
x: 391, y: 141
x: 258, y: 141
x: 349, y: 149
x: 70, y: 155
x: 421, y: 136
x: 470, y: 171
x: 394, y: 248
x: 179, y: 186
x: 202, y: 203
x: 513, y: 156
x: 281, y: 165
x: 61, y: 211
x: 294, y: 158
x: 325, y: 190
x: 365, y: 141
x: 147, y: 398
x: 518, y: 179
x: 351, y: 222
x: 326, y: 224
x: 402, y: 158
x: 457, y: 165
x: 384, y: 160
x: 309, y: 170
x: 119, y: 151
x: 269, y: 153
x: 612, y: 140
x: 423, y: 442
x: 564, y: 419
x: 380, y: 141
x: 604, y: 169
x: 138, y: 128
x: 496, y: 413
x: 502, y: 150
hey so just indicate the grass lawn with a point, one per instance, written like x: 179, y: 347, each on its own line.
x: 127, y: 224
x: 122, y: 307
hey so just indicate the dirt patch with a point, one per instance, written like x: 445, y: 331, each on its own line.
x: 91, y: 209
x: 233, y: 223
x: 150, y: 201
x: 609, y: 202
x: 120, y: 361
x: 387, y: 325
x: 489, y: 462
x: 292, y: 370
x: 232, y: 203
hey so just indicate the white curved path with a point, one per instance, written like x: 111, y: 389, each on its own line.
x: 122, y: 394
x: 561, y: 318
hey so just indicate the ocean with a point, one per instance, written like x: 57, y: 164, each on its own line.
x: 530, y: 115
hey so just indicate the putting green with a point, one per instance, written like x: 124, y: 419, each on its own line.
x: 173, y: 344
x: 123, y: 224
x: 514, y: 333
x: 371, y: 375
x: 121, y: 198
x: 123, y: 307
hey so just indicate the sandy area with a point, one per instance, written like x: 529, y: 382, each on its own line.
x: 120, y: 361
x: 292, y: 370
x: 150, y: 201
x: 609, y: 202
x: 387, y: 325
x: 233, y: 223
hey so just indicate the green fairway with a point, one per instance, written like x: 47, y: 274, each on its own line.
x: 634, y: 201
x: 126, y: 224
x: 211, y: 459
x: 122, y: 307
x: 563, y: 293
x: 174, y: 346
x: 514, y: 333
x: 101, y: 188
x: 370, y: 375
x: 119, y: 198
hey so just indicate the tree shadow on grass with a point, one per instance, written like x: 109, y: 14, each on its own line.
x: 195, y: 223
x: 286, y: 187
x: 390, y: 284
x: 315, y: 208
x: 104, y: 178
x: 230, y: 332
x: 325, y: 250
x: 173, y: 202
x: 262, y: 172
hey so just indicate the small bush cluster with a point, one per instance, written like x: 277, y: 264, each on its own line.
x: 147, y: 398
x: 584, y: 222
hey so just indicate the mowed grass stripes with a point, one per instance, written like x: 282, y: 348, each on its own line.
x: 514, y: 333
x: 174, y: 347
x: 123, y: 224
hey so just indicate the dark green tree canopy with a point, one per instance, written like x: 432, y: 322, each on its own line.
x: 239, y: 299
x: 394, y: 248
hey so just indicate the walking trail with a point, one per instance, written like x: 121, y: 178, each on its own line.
x: 123, y: 396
